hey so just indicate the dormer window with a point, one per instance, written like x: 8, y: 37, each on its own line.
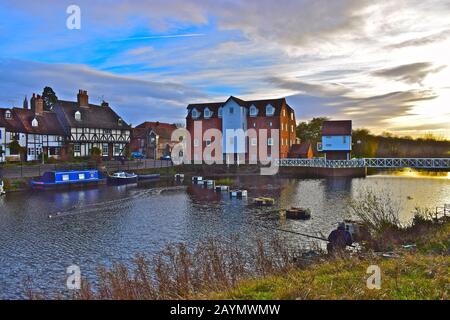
x: 207, y: 113
x: 270, y: 110
x: 78, y: 116
x: 253, y: 111
x: 195, y: 113
x: 34, y: 123
x: 220, y: 112
x: 120, y: 121
x: 8, y: 114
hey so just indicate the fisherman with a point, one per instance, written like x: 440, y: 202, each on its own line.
x: 339, y: 239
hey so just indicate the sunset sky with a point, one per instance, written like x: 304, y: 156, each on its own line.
x: 383, y: 64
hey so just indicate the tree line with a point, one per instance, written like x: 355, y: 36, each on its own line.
x: 386, y: 145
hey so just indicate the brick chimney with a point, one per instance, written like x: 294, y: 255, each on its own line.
x: 83, y: 98
x: 38, y: 105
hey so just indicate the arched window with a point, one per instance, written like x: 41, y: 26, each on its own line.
x: 78, y: 116
x: 120, y: 121
x: 253, y: 111
x: 8, y: 114
x: 270, y: 110
x: 207, y: 113
x: 34, y: 123
x: 195, y: 113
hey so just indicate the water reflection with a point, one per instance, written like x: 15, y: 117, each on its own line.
x: 98, y: 226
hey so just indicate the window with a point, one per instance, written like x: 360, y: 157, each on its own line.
x: 292, y: 128
x: 231, y: 110
x: 120, y: 122
x: 207, y: 113
x: 254, y: 124
x: 253, y: 111
x: 77, y: 147
x: 65, y: 177
x: 254, y: 141
x: 117, y: 149
x: 107, y: 131
x: 220, y: 112
x: 270, y: 142
x: 196, y: 143
x: 344, y: 139
x: 292, y: 116
x: 105, y: 149
x: 54, y: 151
x: 195, y: 113
x: 284, y: 112
x: 78, y: 116
x: 81, y: 176
x: 270, y: 124
x: 8, y: 114
x: 270, y: 110
x: 34, y: 123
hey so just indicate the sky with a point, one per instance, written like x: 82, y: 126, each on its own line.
x: 383, y: 64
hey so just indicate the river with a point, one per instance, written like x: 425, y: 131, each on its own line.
x: 94, y: 227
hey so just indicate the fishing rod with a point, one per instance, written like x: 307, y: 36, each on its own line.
x: 297, y: 233
x: 293, y: 232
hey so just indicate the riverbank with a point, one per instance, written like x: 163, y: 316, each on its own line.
x: 217, y: 270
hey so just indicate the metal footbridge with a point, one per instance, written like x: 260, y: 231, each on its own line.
x: 417, y: 163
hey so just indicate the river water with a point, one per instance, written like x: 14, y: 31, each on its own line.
x: 94, y: 227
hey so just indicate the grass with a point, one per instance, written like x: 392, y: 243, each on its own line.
x: 413, y: 276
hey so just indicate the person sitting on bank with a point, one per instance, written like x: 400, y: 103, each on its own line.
x: 339, y: 239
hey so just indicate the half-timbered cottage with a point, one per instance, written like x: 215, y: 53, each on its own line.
x: 88, y: 126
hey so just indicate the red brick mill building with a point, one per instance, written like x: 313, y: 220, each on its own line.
x: 235, y: 114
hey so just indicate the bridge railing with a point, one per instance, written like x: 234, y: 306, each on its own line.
x: 425, y: 163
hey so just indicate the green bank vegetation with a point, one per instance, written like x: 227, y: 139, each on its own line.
x: 218, y: 269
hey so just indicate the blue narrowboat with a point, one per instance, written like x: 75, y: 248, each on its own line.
x: 55, y: 179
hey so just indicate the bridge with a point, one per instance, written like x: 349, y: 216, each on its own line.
x: 417, y: 163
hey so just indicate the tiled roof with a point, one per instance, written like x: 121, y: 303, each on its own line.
x: 260, y: 104
x: 337, y: 128
x: 12, y: 125
x: 92, y: 116
x: 48, y: 122
x: 163, y: 130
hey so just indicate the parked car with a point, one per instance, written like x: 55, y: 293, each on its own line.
x: 167, y: 158
x: 137, y: 155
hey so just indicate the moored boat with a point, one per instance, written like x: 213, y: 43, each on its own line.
x: 264, y: 201
x: 122, y: 178
x: 298, y: 213
x: 59, y: 179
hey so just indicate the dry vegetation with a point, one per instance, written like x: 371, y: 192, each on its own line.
x: 226, y: 270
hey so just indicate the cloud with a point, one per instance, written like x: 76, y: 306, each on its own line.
x: 409, y: 73
x: 316, y: 89
x: 137, y: 100
x: 422, y: 41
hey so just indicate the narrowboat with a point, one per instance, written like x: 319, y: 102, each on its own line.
x: 56, y: 179
x: 122, y: 178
